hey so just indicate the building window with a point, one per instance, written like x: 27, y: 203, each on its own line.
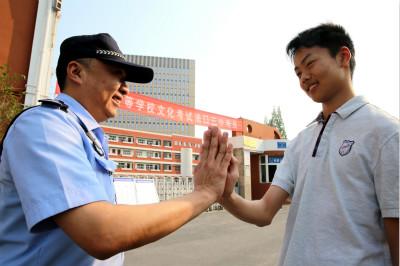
x: 177, y: 168
x: 177, y: 156
x: 126, y: 139
x: 126, y: 152
x: 268, y: 166
x: 141, y: 154
x: 167, y: 167
x: 112, y: 138
x: 167, y: 143
x: 155, y: 155
x: 125, y: 165
x: 196, y: 157
x: 140, y: 166
x: 167, y: 155
x: 263, y: 170
x: 271, y: 172
x: 141, y: 141
x: 153, y: 167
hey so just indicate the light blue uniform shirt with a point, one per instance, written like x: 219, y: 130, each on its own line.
x: 341, y: 195
x: 49, y: 166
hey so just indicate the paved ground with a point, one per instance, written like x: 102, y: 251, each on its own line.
x: 215, y: 239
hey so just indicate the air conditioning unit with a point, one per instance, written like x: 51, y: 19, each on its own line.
x: 57, y: 5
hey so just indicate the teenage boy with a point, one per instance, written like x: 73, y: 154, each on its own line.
x: 341, y: 172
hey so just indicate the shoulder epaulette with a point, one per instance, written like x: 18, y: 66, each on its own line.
x: 54, y: 104
x: 44, y: 102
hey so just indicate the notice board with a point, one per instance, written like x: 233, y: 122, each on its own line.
x: 135, y: 191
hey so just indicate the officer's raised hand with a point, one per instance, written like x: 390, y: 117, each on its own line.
x: 215, y: 156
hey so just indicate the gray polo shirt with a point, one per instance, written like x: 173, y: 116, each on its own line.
x: 343, y: 178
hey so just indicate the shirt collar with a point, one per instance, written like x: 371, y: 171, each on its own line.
x: 346, y: 109
x: 79, y: 111
x: 351, y: 106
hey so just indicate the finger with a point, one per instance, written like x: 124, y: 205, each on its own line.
x: 233, y: 164
x: 205, y: 146
x: 223, y: 142
x: 213, y: 149
x: 227, y: 157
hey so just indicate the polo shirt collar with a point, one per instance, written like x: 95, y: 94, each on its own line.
x: 351, y: 106
x: 79, y: 111
x: 346, y: 109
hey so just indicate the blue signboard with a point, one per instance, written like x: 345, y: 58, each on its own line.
x: 274, y: 159
x: 281, y: 145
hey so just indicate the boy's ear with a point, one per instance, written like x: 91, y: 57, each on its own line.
x: 344, y: 56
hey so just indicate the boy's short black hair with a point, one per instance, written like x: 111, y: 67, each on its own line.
x: 330, y: 36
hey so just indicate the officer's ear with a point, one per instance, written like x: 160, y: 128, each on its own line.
x: 76, y: 72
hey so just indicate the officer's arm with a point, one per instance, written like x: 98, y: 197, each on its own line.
x: 392, y: 234
x: 103, y: 229
x: 258, y: 212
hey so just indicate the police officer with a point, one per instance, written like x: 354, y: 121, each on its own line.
x: 57, y: 200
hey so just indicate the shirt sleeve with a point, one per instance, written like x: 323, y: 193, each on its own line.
x: 386, y: 178
x: 49, y: 166
x: 284, y: 175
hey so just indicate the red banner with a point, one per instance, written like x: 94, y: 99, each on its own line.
x: 154, y: 107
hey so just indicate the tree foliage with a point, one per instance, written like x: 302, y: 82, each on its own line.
x: 276, y: 121
x: 10, y: 104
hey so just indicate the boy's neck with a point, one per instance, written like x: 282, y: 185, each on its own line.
x: 336, y: 102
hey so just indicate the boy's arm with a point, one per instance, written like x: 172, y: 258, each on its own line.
x: 259, y: 212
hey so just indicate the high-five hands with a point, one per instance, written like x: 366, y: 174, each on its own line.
x: 215, y: 157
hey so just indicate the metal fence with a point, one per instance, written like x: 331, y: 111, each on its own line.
x: 170, y: 187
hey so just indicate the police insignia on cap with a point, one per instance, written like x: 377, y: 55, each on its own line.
x: 108, y: 52
x: 346, y: 147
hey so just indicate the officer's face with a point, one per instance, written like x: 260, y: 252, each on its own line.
x: 321, y: 76
x: 105, y: 86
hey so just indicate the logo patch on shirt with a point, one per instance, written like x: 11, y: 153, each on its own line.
x: 346, y: 147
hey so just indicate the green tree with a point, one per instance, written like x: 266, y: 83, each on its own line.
x: 276, y: 121
x: 10, y: 104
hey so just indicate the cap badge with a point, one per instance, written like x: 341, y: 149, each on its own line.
x: 108, y: 52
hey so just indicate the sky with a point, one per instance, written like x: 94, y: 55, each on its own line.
x: 242, y: 69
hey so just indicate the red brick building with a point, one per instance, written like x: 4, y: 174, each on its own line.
x: 149, y: 153
x: 258, y: 147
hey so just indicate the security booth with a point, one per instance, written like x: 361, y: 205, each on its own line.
x: 259, y: 149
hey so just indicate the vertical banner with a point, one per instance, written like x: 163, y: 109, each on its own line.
x: 154, y: 107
